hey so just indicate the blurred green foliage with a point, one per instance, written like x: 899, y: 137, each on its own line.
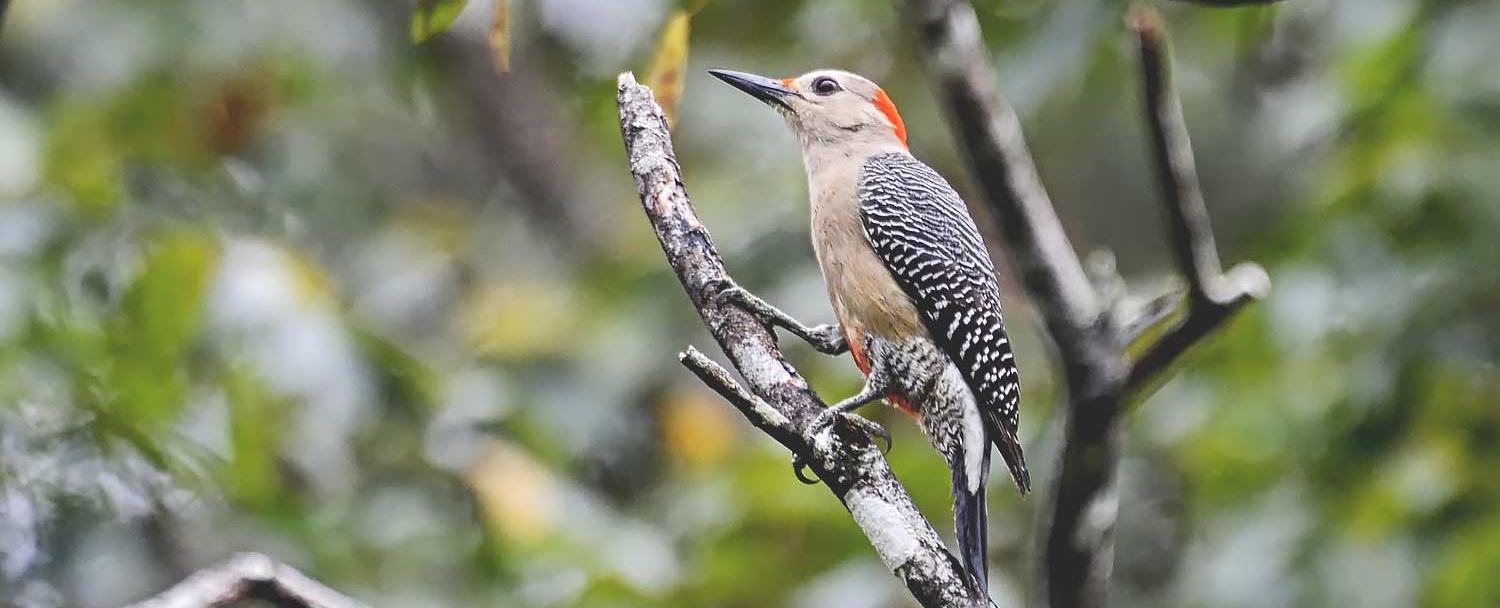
x: 275, y: 278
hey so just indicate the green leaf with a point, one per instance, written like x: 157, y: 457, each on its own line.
x: 433, y: 16
x: 252, y: 475
x: 156, y: 329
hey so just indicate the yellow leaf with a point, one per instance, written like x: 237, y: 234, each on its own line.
x: 670, y: 64
x: 433, y: 16
x: 500, y: 35
x: 519, y: 320
x: 696, y: 429
x: 518, y: 495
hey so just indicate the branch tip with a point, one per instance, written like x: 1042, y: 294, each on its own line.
x: 1249, y: 279
x: 1146, y: 22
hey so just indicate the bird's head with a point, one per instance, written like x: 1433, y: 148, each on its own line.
x: 827, y: 107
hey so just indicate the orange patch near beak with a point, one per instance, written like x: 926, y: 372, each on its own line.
x: 886, y: 106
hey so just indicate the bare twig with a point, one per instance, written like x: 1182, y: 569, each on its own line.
x: 245, y: 577
x: 761, y: 414
x: 778, y: 399
x: 1213, y: 297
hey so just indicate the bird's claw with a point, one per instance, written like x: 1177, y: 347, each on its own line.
x: 798, y: 466
x: 825, y: 419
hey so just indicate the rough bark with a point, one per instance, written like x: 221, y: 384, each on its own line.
x: 777, y: 399
x: 1076, y: 548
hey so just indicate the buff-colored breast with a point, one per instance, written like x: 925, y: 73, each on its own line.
x: 864, y: 296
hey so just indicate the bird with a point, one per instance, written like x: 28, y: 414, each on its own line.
x: 910, y: 282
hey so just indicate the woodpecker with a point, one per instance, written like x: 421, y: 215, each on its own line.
x: 910, y: 281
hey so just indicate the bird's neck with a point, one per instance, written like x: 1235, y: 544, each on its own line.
x: 844, y: 158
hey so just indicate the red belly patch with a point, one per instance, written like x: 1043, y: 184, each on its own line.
x: 857, y: 349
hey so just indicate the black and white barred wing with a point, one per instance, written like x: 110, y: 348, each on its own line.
x: 922, y: 231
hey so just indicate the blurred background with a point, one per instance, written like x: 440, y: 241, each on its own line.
x: 275, y: 277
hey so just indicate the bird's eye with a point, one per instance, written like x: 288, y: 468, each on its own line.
x: 825, y: 86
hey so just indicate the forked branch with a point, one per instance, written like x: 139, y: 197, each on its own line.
x: 1077, y: 534
x: 1213, y: 296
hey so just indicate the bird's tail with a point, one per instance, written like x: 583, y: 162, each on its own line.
x: 971, y: 522
x: 1010, y: 450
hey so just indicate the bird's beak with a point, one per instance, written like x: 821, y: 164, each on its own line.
x: 762, y: 88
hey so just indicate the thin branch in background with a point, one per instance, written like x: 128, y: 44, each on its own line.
x: 247, y: 577
x: 1001, y: 164
x: 776, y: 398
x: 1077, y: 535
x: 1077, y: 522
x: 1213, y: 297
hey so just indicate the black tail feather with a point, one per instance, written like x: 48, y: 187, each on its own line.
x: 971, y: 522
x: 1010, y: 450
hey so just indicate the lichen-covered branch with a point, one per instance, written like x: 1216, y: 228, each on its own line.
x: 777, y: 399
x: 1213, y: 296
x: 248, y: 577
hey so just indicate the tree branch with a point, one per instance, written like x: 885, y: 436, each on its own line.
x: 778, y: 399
x: 245, y: 577
x: 1078, y: 518
x: 1213, y: 297
x: 1077, y: 553
x: 1002, y: 166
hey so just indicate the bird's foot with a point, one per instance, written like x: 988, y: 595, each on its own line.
x: 729, y: 293
x: 826, y: 418
x: 827, y: 339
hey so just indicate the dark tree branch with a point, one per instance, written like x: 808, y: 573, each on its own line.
x: 778, y: 399
x: 1213, y: 297
x: 526, y: 132
x: 246, y: 577
x: 1079, y: 518
x: 1002, y: 166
